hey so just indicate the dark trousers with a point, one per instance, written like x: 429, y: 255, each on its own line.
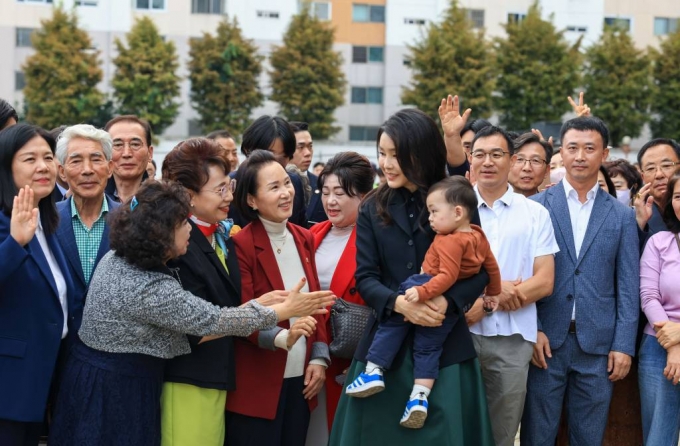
x: 579, y: 379
x: 289, y: 428
x: 427, y: 345
x: 19, y: 433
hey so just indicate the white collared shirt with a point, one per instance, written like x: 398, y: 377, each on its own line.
x: 56, y: 274
x: 518, y: 230
x: 579, y: 213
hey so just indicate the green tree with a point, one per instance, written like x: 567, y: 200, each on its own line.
x: 616, y: 79
x: 454, y: 58
x: 665, y: 122
x: 224, y: 70
x: 146, y: 83
x: 537, y: 70
x: 63, y: 73
x: 306, y: 78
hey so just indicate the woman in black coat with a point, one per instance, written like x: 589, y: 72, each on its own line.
x: 393, y: 235
x: 196, y: 385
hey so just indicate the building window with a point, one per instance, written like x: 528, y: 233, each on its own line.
x: 207, y: 7
x: 24, y: 37
x: 35, y: 1
x: 665, y: 25
x: 268, y: 14
x: 577, y: 29
x: 157, y: 5
x: 368, y: 13
x: 195, y: 128
x: 515, y: 17
x: 476, y: 16
x: 615, y: 22
x: 362, y: 133
x: 367, y: 95
x: 86, y: 2
x: 364, y: 54
x: 408, y: 21
x: 320, y: 10
x: 19, y: 80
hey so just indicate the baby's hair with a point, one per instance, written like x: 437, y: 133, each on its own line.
x: 457, y: 191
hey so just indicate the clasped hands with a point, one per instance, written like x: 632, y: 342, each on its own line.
x: 668, y: 336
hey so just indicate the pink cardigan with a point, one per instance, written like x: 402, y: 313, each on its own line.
x: 659, y: 284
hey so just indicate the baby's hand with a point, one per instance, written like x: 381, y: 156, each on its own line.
x: 491, y: 303
x: 411, y: 295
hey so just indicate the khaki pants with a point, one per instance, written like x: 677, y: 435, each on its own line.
x: 505, y: 366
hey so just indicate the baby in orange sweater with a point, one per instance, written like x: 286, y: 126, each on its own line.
x: 458, y: 251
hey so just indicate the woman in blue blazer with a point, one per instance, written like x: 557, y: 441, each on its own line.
x: 34, y: 282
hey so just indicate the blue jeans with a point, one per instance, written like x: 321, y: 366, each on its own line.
x: 660, y: 399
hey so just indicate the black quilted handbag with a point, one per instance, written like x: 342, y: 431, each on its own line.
x: 348, y: 322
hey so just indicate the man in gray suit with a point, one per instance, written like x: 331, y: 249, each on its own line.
x: 587, y: 327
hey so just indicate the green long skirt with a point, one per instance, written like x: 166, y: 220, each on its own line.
x: 457, y: 412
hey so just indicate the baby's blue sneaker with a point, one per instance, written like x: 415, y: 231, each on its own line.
x: 415, y: 413
x: 366, y: 385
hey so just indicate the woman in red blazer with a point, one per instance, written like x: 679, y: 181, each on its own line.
x: 345, y: 179
x: 278, y: 371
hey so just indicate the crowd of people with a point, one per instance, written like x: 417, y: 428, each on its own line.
x: 491, y: 278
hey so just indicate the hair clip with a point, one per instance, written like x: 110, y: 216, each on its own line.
x: 133, y: 203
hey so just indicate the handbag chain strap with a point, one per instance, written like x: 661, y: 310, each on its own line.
x: 677, y: 240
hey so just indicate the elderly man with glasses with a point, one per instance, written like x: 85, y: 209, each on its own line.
x: 132, y: 151
x: 659, y: 160
x: 84, y: 153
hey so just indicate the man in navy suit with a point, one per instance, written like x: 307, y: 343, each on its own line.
x: 84, y: 153
x: 304, y: 149
x: 587, y: 326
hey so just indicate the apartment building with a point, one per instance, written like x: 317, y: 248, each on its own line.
x: 372, y: 36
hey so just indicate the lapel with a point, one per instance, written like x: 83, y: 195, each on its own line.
x: 67, y: 240
x: 313, y: 203
x: 319, y: 232
x: 58, y: 254
x: 265, y: 255
x: 104, y: 246
x: 601, y: 208
x: 344, y: 272
x: 44, y: 267
x: 234, y: 276
x: 197, y: 238
x: 397, y: 210
x: 556, y: 203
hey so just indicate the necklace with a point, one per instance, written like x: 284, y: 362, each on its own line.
x: 279, y: 248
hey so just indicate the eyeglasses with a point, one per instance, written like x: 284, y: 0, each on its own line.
x: 494, y: 154
x: 666, y: 168
x: 534, y: 162
x: 223, y: 191
x: 134, y: 145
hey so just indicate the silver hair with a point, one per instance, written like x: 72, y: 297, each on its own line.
x: 85, y: 131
